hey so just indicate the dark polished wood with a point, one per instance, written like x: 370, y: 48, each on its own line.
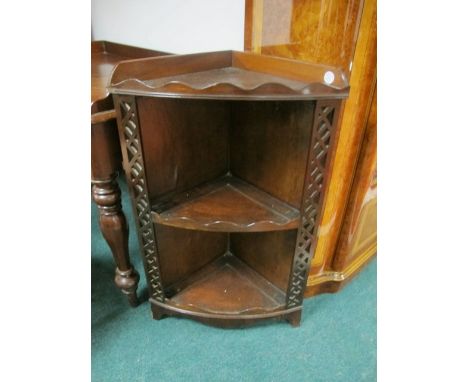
x: 269, y: 253
x: 227, y: 157
x: 201, y: 133
x: 183, y: 252
x: 227, y: 204
x: 274, y: 137
x: 221, y: 287
x: 229, y: 75
x: 293, y: 316
x: 105, y: 55
x: 106, y: 159
x: 114, y: 228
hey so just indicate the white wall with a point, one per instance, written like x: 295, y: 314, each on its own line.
x: 176, y: 26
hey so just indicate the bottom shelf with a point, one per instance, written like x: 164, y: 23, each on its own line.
x: 228, y: 287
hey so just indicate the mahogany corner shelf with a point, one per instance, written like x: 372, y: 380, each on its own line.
x: 227, y: 156
x: 226, y: 204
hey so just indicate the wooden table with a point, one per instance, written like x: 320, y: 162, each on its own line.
x: 106, y: 159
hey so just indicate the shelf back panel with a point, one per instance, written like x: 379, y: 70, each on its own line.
x: 183, y: 252
x: 268, y: 253
x: 269, y: 143
x: 185, y: 142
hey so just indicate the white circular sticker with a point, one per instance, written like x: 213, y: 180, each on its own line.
x: 328, y: 77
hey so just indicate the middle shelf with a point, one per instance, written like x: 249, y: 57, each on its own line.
x: 226, y: 204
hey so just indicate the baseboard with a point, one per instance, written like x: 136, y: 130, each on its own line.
x: 333, y: 281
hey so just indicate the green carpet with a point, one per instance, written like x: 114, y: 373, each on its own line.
x: 335, y: 342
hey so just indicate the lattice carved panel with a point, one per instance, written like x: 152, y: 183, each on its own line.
x: 134, y: 167
x: 321, y: 139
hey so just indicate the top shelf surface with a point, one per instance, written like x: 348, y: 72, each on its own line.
x: 228, y: 75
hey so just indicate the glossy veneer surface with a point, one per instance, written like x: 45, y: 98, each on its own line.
x: 359, y: 233
x: 307, y: 30
x: 355, y: 117
x: 341, y: 34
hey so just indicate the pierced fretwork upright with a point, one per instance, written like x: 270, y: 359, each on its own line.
x: 323, y: 129
x: 129, y: 131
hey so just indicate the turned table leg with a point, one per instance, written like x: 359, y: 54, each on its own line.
x: 114, y: 228
x: 105, y: 162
